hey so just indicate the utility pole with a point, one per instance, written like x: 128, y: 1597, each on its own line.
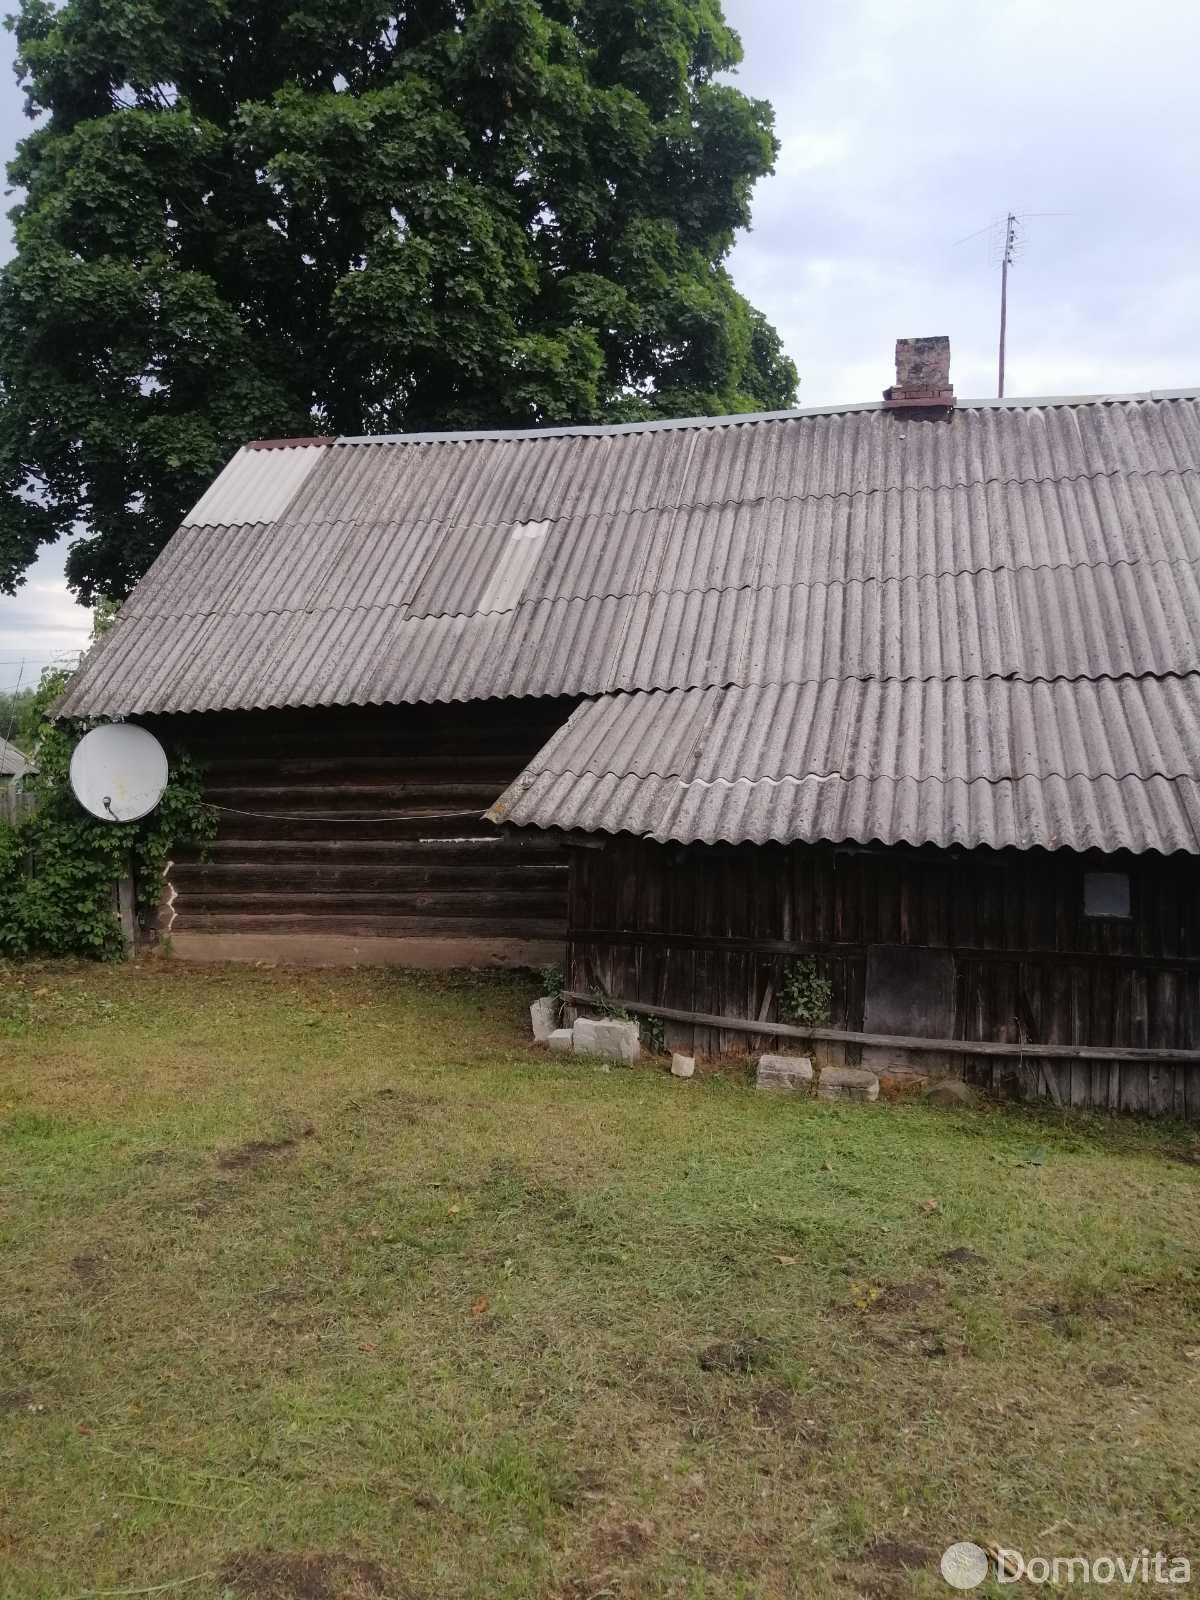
x: 1010, y: 239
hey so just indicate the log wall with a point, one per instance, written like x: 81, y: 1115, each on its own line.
x: 712, y: 928
x: 365, y: 825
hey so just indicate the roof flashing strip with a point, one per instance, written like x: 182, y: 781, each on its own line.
x: 747, y: 418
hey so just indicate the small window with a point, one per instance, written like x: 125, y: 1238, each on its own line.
x: 1106, y: 894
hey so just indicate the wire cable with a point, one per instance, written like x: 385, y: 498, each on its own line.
x: 342, y: 816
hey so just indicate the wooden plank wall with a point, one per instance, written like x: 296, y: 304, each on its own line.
x: 711, y: 928
x: 302, y: 847
x: 15, y: 802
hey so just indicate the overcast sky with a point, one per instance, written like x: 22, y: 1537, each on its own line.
x: 905, y: 128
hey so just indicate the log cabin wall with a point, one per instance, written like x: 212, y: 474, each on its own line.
x: 307, y: 865
x: 712, y: 928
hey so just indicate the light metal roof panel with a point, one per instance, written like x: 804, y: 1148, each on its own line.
x: 256, y: 486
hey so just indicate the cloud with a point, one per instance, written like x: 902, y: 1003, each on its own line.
x: 40, y: 625
x: 905, y: 128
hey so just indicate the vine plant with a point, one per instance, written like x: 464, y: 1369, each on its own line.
x: 806, y: 996
x: 58, y: 863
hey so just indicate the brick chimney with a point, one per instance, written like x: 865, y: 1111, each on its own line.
x: 922, y: 375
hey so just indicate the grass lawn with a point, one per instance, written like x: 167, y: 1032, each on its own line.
x: 320, y: 1285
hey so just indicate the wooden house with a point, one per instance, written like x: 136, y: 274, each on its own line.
x: 909, y: 691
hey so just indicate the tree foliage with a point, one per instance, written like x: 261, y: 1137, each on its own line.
x: 18, y: 717
x: 283, y: 217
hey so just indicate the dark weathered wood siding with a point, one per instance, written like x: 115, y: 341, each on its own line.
x: 303, y: 845
x: 710, y: 928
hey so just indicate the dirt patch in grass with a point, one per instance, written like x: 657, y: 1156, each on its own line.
x: 399, y: 1105
x: 898, y: 1297
x: 1069, y: 1316
x: 275, y: 1575
x: 896, y: 1555
x: 91, y: 1269
x: 740, y: 1356
x: 578, y: 1487
x: 254, y: 1153
x: 621, y: 1542
x: 773, y: 1408
x: 613, y: 1548
x: 962, y: 1257
x: 1111, y: 1375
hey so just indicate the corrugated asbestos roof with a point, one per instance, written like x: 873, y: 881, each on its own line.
x: 1109, y: 765
x: 12, y: 763
x: 898, y: 564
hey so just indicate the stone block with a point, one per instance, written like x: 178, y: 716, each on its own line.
x: 952, y: 1092
x: 618, y: 1041
x: 784, y: 1072
x: 847, y: 1083
x: 561, y: 1039
x: 682, y: 1066
x: 584, y: 1033
x: 543, y: 1014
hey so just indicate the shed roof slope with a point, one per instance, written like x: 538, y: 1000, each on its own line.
x: 1108, y: 765
x: 13, y: 762
x: 981, y: 628
x: 790, y: 548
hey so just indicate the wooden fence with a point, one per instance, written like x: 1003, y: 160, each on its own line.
x: 15, y: 802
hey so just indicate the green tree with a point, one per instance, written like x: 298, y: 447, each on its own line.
x: 18, y: 717
x: 274, y: 217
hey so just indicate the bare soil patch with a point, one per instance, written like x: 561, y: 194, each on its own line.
x: 896, y: 1554
x: 254, y: 1153
x: 90, y: 1269
x: 897, y: 1297
x: 1111, y: 1375
x: 736, y: 1355
x: 962, y: 1257
x: 279, y: 1575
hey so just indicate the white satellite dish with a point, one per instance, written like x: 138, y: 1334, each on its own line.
x: 119, y: 771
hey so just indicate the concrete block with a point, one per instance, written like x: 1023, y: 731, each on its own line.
x: 784, y: 1072
x: 561, y: 1040
x: 584, y: 1033
x: 620, y: 1040
x: 953, y: 1092
x: 847, y: 1083
x: 607, y: 1037
x: 543, y: 1014
x: 682, y: 1066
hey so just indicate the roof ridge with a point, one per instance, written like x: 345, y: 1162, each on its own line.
x: 739, y: 419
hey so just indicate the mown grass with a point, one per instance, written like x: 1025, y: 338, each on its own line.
x: 327, y: 1284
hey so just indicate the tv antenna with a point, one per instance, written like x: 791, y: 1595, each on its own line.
x: 1009, y: 243
x: 1006, y: 261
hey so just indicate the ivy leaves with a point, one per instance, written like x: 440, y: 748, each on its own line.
x: 58, y: 864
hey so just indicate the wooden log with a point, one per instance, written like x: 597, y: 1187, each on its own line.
x: 976, y: 1047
